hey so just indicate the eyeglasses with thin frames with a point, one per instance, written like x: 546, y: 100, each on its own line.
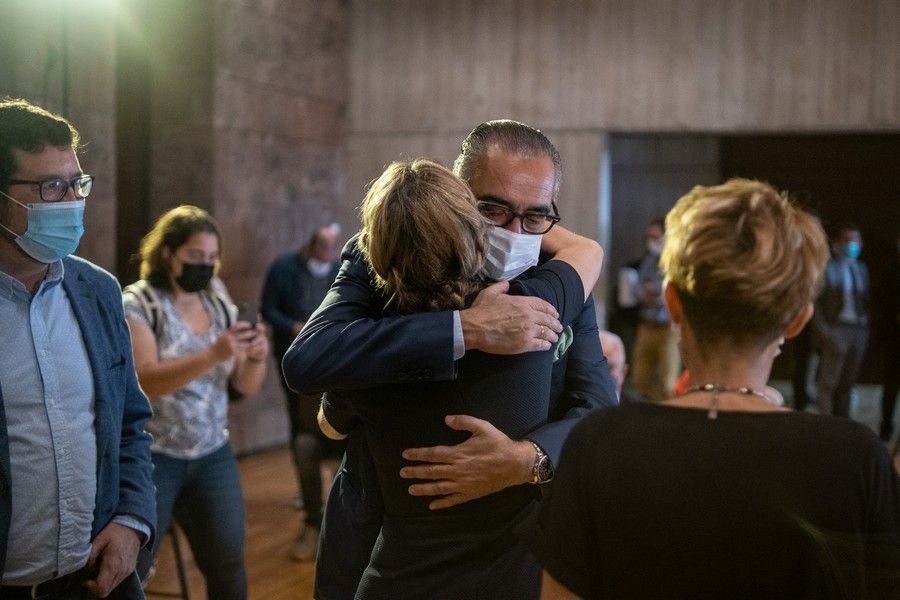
x: 534, y: 222
x: 56, y: 188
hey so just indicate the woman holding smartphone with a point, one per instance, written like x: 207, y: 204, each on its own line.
x: 188, y: 346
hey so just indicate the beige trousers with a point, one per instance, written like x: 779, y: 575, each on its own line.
x: 655, y: 362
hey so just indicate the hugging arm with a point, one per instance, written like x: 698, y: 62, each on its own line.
x: 488, y: 460
x: 348, y: 344
x: 336, y: 417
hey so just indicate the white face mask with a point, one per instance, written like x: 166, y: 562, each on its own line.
x: 509, y: 254
x: 655, y: 246
x: 318, y: 268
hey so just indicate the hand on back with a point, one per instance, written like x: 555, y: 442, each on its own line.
x: 502, y: 324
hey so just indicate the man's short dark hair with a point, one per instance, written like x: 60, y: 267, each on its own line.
x: 30, y: 128
x: 511, y: 136
x: 848, y: 226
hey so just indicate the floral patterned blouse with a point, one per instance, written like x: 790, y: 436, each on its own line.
x: 191, y: 422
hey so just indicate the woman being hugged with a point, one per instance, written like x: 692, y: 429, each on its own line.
x: 187, y: 349
x: 427, y: 243
x: 721, y: 492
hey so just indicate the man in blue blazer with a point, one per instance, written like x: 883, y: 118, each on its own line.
x: 76, y: 496
x: 347, y: 345
x: 841, y: 322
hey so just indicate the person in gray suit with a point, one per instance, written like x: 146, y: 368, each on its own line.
x: 841, y: 322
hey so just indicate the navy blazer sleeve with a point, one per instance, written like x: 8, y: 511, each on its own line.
x: 347, y: 344
x: 581, y: 383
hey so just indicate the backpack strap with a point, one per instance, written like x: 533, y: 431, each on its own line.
x: 221, y: 301
x: 221, y: 304
x: 150, y: 303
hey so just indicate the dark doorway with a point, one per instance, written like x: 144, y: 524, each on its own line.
x: 842, y: 177
x: 132, y: 135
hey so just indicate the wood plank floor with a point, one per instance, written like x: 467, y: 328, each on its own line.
x: 272, y: 525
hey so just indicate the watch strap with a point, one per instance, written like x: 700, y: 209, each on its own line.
x: 542, y: 469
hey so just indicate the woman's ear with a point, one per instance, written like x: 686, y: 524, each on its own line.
x: 796, y: 325
x: 673, y: 303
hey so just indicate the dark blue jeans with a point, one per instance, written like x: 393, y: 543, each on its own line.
x: 205, y: 497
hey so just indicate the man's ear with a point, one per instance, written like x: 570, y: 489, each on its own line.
x: 796, y: 325
x: 673, y: 303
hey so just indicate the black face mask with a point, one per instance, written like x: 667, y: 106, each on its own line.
x: 194, y: 277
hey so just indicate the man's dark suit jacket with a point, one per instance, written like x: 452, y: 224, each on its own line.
x: 291, y: 294
x: 347, y: 345
x: 124, y: 483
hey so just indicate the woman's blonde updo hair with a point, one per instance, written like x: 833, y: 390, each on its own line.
x: 423, y: 236
x: 744, y: 259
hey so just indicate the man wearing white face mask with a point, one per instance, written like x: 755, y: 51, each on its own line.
x: 76, y: 497
x: 514, y: 172
x: 655, y: 358
x: 509, y: 254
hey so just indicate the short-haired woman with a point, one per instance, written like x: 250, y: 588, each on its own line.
x: 721, y: 492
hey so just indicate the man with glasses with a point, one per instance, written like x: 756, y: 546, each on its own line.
x: 76, y: 496
x: 514, y: 172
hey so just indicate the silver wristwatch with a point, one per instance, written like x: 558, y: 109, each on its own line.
x: 542, y: 471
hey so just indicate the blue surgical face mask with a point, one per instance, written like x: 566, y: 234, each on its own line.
x: 54, y: 229
x: 852, y: 249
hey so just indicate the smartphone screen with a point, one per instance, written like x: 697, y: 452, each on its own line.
x: 247, y: 311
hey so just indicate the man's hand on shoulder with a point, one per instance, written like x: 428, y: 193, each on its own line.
x: 116, y: 547
x: 502, y: 324
x: 485, y: 463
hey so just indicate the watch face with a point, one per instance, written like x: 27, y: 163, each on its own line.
x: 545, y: 470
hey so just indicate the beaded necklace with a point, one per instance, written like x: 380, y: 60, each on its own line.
x: 713, y: 412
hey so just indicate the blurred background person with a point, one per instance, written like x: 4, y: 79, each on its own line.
x: 614, y: 351
x: 802, y: 350
x: 703, y: 504
x: 890, y: 332
x: 188, y: 346
x: 295, y: 286
x: 655, y: 359
x: 841, y: 322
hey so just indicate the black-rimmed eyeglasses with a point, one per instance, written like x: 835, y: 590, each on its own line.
x: 55, y: 189
x: 533, y: 221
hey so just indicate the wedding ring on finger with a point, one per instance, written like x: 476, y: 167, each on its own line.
x: 542, y: 332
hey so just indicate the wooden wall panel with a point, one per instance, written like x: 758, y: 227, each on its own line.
x: 710, y: 65
x: 279, y: 93
x: 579, y: 192
x: 422, y: 74
x: 32, y: 56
